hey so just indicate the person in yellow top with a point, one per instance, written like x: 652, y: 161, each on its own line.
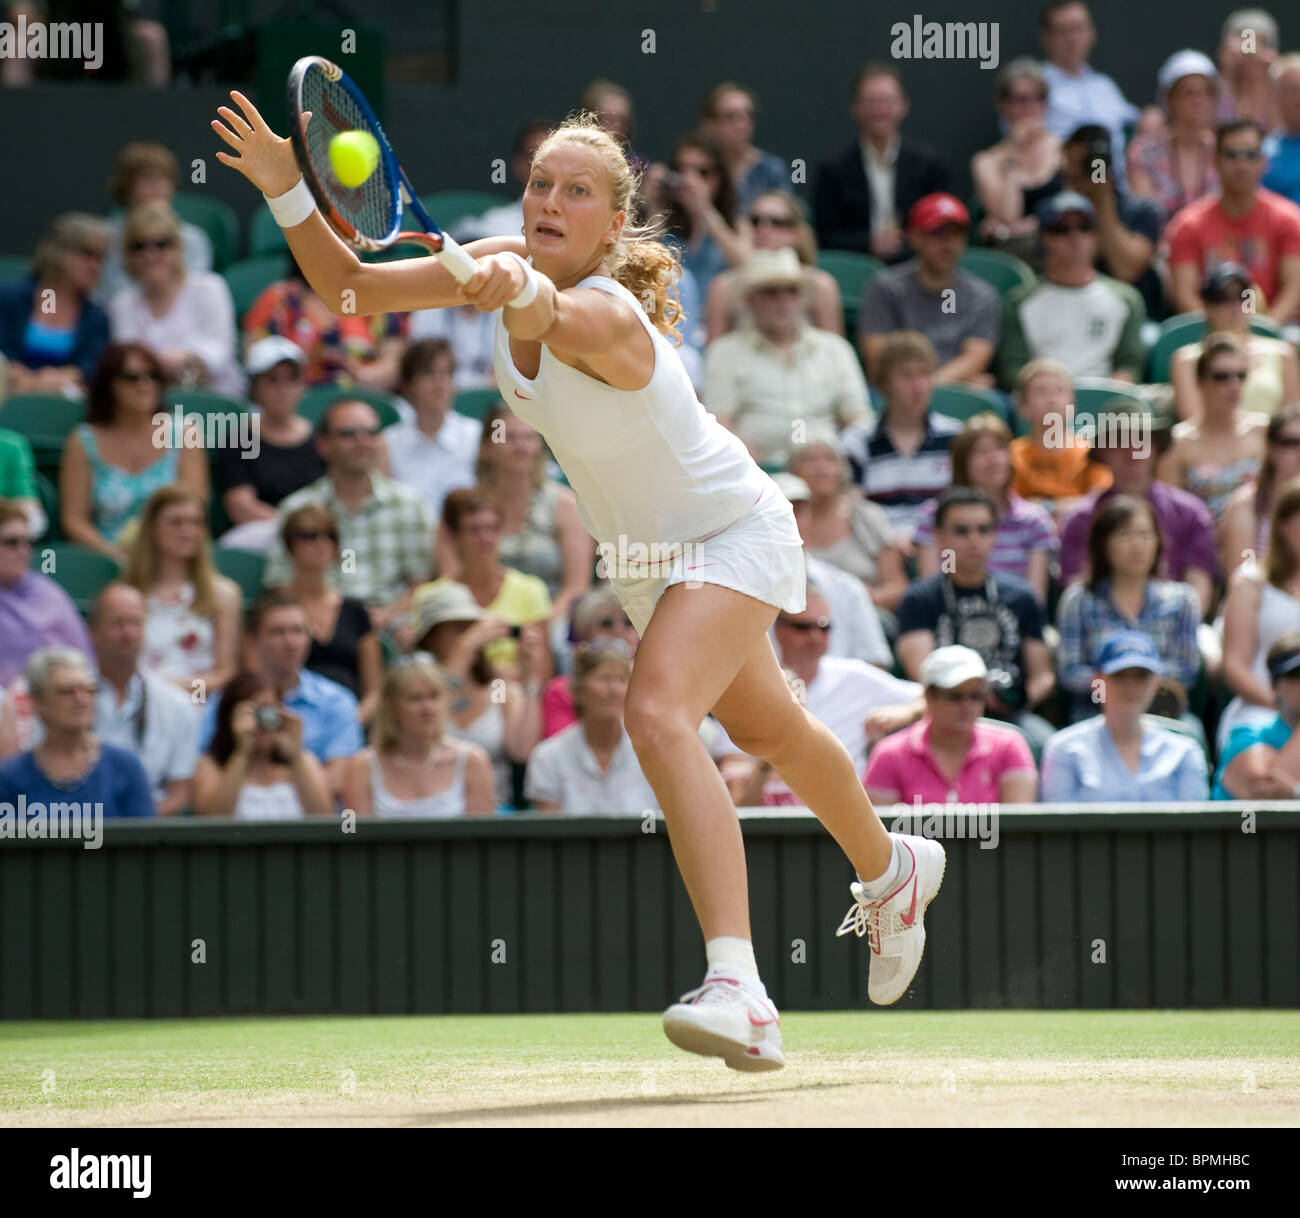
x: 521, y: 600
x: 1051, y: 465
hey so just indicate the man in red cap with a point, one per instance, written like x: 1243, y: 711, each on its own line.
x: 958, y: 313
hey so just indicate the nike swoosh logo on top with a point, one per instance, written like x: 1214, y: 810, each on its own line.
x: 910, y: 916
x: 525, y: 397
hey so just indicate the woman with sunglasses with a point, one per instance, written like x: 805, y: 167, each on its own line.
x: 113, y: 461
x: 1244, y: 530
x: 1213, y: 454
x: 1122, y: 593
x: 344, y: 647
x: 598, y: 615
x: 56, y: 351
x: 952, y: 754
x: 1263, y: 604
x: 1021, y: 169
x: 1274, y: 368
x: 777, y: 223
x: 187, y: 317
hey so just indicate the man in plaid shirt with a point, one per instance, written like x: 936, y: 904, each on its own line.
x: 385, y: 531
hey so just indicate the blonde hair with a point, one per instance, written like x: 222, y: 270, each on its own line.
x: 419, y: 665
x: 1040, y: 367
x: 636, y: 258
x: 142, y: 563
x: 67, y: 232
x: 149, y: 219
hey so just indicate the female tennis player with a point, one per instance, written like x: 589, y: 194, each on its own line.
x: 587, y: 362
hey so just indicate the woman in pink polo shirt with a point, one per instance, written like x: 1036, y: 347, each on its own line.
x: 950, y: 756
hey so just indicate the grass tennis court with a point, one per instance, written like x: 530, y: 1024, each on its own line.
x: 847, y: 1067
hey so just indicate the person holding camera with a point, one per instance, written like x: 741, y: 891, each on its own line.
x: 994, y: 614
x: 1128, y: 226
x: 256, y: 767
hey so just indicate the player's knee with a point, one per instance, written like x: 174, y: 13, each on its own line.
x: 653, y: 725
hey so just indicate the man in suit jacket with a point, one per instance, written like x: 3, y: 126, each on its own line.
x: 864, y: 195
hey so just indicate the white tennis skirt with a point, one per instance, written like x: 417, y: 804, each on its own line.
x: 761, y: 555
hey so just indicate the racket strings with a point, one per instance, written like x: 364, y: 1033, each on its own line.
x: 370, y: 208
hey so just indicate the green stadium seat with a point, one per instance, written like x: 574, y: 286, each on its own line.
x: 244, y: 567
x: 249, y: 278
x: 47, y: 492
x: 14, y: 266
x: 475, y: 403
x: 315, y: 401
x: 80, y: 572
x: 43, y: 416
x: 1188, y: 328
x: 1000, y: 270
x: 852, y: 272
x: 961, y: 402
x: 215, y: 218
x: 265, y: 236
x: 1093, y: 393
x: 448, y: 206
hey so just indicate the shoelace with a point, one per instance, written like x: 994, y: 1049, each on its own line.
x: 713, y: 991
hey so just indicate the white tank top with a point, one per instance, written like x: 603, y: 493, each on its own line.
x: 649, y: 465
x: 448, y: 802
x: 272, y: 801
x: 1278, y: 613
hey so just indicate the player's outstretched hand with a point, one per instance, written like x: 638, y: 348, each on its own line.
x: 498, y: 280
x: 265, y: 159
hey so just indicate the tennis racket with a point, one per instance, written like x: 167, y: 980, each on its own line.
x: 369, y: 216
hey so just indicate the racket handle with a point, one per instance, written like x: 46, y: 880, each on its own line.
x: 456, y: 260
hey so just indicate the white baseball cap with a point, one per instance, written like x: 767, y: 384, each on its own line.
x: 1184, y: 63
x: 948, y: 667
x: 264, y: 354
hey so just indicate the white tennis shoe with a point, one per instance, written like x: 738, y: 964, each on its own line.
x: 895, y: 924
x: 727, y: 1017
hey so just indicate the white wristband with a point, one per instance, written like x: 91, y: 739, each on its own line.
x: 292, y: 207
x: 529, y: 294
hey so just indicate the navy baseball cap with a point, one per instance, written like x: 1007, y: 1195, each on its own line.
x: 1128, y: 649
x: 1284, y: 662
x: 1063, y: 204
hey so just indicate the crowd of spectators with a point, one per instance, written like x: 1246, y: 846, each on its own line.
x: 1013, y: 595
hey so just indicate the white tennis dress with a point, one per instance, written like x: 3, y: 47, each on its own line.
x: 670, y: 495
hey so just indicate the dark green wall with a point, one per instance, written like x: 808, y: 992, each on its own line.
x: 401, y: 917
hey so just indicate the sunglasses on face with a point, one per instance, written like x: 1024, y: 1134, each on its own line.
x: 1224, y: 374
x: 960, y: 695
x: 15, y: 543
x: 158, y: 243
x: 758, y: 219
x: 965, y: 530
x: 1287, y: 442
x: 1241, y: 154
x: 134, y: 378
x: 351, y: 433
x: 822, y: 623
x: 1064, y: 230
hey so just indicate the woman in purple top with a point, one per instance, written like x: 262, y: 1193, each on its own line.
x: 1026, y: 536
x: 34, y: 611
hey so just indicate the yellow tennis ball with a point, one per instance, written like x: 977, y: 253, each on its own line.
x: 353, y: 157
